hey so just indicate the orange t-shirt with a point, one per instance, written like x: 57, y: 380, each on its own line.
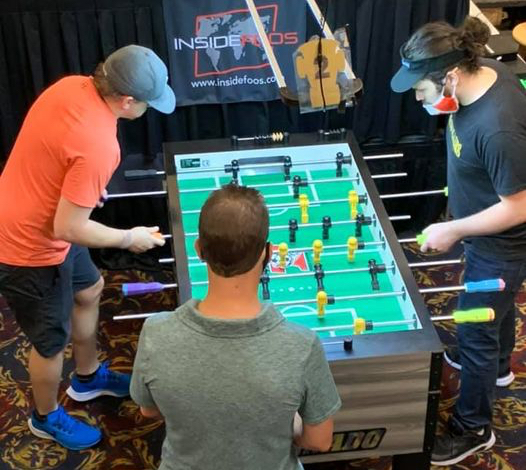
x: 67, y: 147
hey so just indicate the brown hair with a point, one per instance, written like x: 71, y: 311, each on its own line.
x: 102, y: 84
x: 436, y: 39
x: 233, y: 229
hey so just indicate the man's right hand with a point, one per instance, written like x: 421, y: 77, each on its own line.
x: 141, y: 239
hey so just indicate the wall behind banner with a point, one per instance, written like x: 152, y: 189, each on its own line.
x: 42, y: 41
x: 45, y: 40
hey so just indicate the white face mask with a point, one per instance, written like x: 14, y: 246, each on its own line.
x: 444, y: 104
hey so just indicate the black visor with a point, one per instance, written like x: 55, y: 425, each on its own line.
x: 412, y: 71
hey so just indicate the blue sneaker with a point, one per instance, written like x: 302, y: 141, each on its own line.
x: 105, y: 382
x: 69, y: 432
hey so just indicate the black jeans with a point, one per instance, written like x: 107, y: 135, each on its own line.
x: 485, y: 348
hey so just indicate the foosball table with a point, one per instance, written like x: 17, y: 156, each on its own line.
x: 337, y: 268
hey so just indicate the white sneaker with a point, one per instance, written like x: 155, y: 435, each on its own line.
x: 506, y: 380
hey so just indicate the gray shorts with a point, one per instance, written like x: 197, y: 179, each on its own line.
x: 42, y: 297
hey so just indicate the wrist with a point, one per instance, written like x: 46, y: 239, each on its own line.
x: 126, y: 239
x: 458, y: 229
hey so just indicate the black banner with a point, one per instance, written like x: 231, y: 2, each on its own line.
x: 215, y: 53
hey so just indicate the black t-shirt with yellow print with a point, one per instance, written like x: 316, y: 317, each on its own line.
x: 486, y: 143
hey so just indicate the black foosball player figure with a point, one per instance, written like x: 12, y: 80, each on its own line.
x: 374, y: 269
x: 287, y: 165
x: 319, y: 275
x: 234, y: 169
x: 326, y: 225
x: 361, y: 220
x: 293, y: 228
x: 340, y: 160
x: 297, y: 183
x: 265, y: 279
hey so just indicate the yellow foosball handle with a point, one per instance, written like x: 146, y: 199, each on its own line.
x: 474, y: 315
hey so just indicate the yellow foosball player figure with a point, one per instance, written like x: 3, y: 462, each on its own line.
x: 317, y: 248
x: 283, y: 251
x: 359, y: 326
x: 353, y: 203
x: 322, y: 300
x: 352, y: 246
x: 304, y: 208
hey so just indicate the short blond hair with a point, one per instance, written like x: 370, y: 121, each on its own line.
x: 102, y: 84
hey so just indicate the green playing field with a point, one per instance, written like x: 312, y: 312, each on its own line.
x: 384, y: 307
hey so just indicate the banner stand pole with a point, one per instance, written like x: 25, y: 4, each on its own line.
x: 322, y: 22
x: 286, y: 94
x: 276, y: 70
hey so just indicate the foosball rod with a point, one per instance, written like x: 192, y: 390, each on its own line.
x: 164, y: 193
x: 302, y: 274
x: 488, y: 285
x: 338, y: 246
x: 155, y: 174
x: 285, y: 183
x: 319, y: 203
x: 138, y: 194
x: 267, y: 165
x: 475, y: 315
x: 139, y: 288
x: 393, y: 218
x: 307, y: 181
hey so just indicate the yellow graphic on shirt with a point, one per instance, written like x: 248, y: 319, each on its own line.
x: 457, y: 146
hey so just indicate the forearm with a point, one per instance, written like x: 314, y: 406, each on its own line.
x: 304, y: 442
x: 494, y: 219
x: 316, y: 437
x: 95, y: 235
x: 151, y: 412
x: 301, y: 441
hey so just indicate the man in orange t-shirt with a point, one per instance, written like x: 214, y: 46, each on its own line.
x: 64, y: 155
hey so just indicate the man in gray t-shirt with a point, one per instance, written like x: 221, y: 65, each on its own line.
x: 228, y: 374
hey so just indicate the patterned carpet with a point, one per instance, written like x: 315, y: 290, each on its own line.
x: 132, y: 442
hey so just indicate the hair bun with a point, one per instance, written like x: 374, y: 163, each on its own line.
x: 474, y: 34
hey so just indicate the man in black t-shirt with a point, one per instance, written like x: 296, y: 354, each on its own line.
x: 486, y: 143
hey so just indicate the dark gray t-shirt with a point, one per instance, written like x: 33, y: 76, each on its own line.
x: 487, y: 157
x: 229, y: 389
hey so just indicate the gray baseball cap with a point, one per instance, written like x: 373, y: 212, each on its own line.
x: 139, y: 72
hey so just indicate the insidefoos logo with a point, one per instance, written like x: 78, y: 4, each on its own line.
x: 228, y: 41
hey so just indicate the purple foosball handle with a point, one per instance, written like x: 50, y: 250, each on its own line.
x: 137, y: 288
x: 489, y: 285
